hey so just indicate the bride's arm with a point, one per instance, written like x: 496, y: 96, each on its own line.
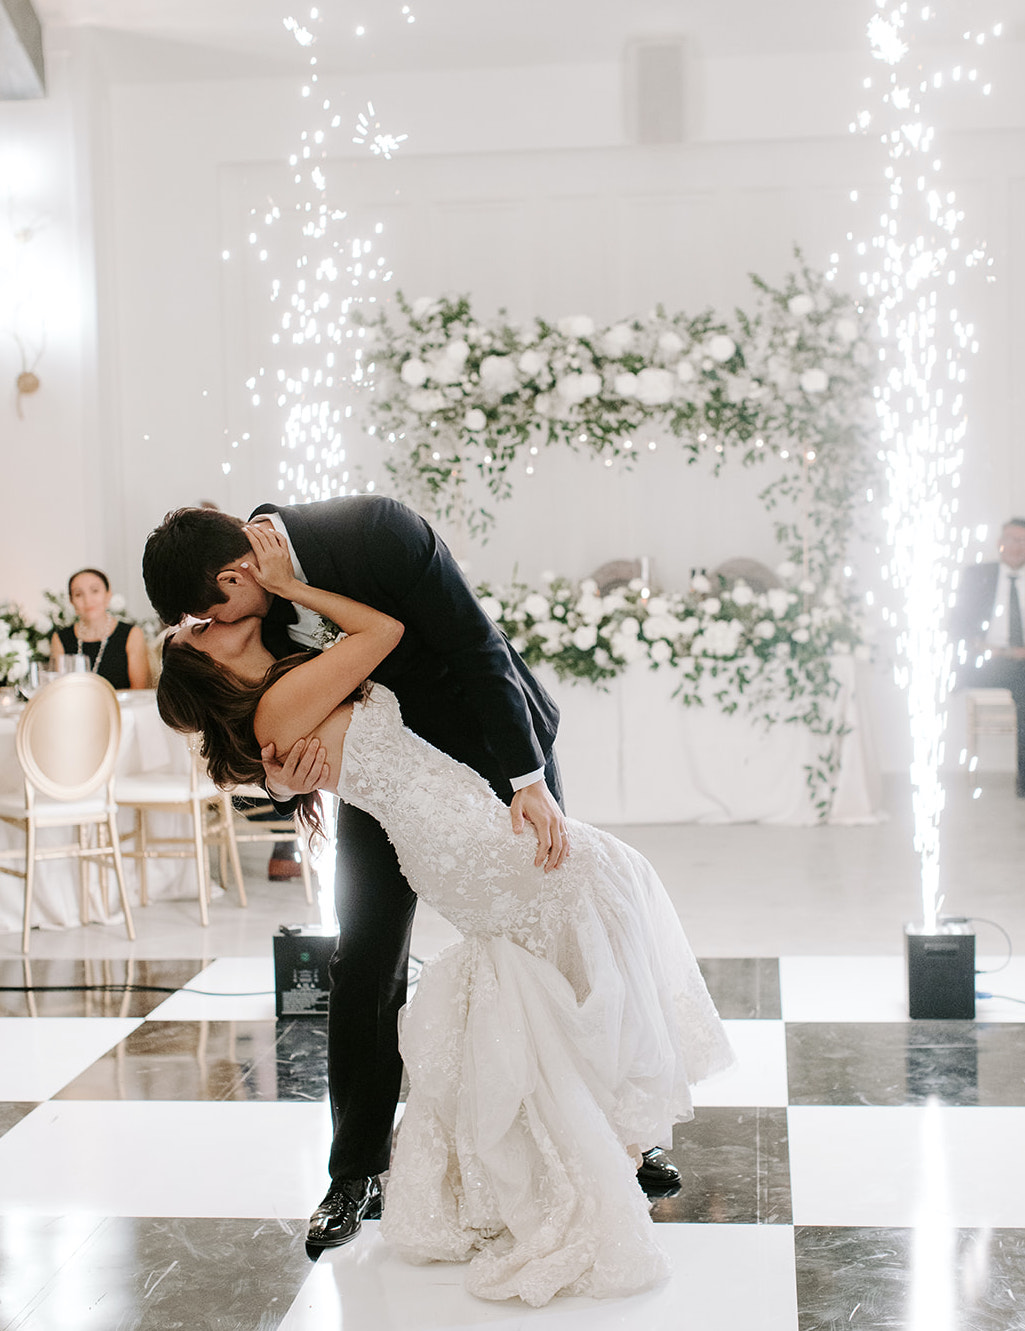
x: 299, y: 701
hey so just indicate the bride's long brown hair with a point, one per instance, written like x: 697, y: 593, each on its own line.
x: 197, y: 695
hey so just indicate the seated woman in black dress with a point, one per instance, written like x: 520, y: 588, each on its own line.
x: 114, y: 648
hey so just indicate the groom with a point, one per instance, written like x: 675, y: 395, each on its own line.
x: 460, y: 686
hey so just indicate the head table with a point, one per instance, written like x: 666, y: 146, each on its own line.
x: 147, y: 745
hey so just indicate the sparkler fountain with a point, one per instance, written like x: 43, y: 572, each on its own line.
x: 912, y: 266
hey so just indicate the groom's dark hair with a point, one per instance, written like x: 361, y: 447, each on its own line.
x: 183, y: 557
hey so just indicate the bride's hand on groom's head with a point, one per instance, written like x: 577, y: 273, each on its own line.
x: 271, y: 564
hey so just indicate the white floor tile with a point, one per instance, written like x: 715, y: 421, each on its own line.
x: 843, y: 989
x: 366, y: 1285
x: 760, y: 1074
x: 907, y: 1166
x: 39, y: 1056
x: 167, y: 1158
x: 243, y: 991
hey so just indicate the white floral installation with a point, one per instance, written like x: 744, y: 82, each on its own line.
x: 452, y: 397
x: 733, y: 647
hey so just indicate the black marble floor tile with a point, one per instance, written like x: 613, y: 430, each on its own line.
x: 12, y: 1112
x: 90, y: 1003
x: 301, y: 1059
x: 870, y: 1279
x: 140, y: 1274
x: 184, y: 1060
x: 743, y: 987
x: 735, y: 1167
x: 895, y: 1063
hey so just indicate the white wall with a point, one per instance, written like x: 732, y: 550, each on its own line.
x: 515, y: 185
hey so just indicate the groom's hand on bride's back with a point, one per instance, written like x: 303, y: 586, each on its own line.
x: 536, y: 805
x: 302, y: 769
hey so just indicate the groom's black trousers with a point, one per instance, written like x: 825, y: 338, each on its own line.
x: 368, y: 987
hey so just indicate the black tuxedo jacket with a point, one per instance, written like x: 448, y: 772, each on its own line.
x: 458, y: 680
x: 976, y: 595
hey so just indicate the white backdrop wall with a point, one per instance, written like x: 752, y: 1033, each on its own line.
x: 517, y: 186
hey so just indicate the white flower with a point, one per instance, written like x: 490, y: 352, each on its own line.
x: 492, y: 607
x: 654, y: 387
x: 425, y: 400
x: 585, y: 637
x: 559, y: 610
x: 802, y: 621
x: 779, y: 599
x: 446, y: 366
x: 43, y: 625
x: 710, y: 606
x: 117, y: 604
x: 601, y: 657
x: 573, y: 388
x: 531, y: 363
x: 806, y: 585
x: 617, y: 340
x: 689, y: 626
x: 424, y: 306
x: 536, y: 606
x: 700, y: 583
x: 475, y: 420
x: 800, y: 305
x: 589, y: 586
x: 765, y: 629
x: 800, y: 635
x: 670, y: 343
x: 721, y: 347
x: 629, y: 627
x: 845, y: 331
x: 590, y: 608
x: 543, y: 404
x: 685, y: 372
x: 786, y: 570
x: 625, y: 385
x: 413, y: 372
x: 814, y: 381
x: 626, y: 648
x: 658, y: 626
x: 497, y: 375
x: 658, y: 605
x: 548, y: 577
x: 742, y: 594
x: 660, y: 652
x: 576, y: 325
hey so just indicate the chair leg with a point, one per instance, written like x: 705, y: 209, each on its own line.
x: 30, y: 866
x: 228, y: 840
x: 140, y: 846
x: 200, y: 845
x: 304, y: 862
x: 119, y: 871
x: 101, y: 868
x: 83, y: 876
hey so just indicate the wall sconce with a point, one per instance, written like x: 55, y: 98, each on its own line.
x: 24, y: 314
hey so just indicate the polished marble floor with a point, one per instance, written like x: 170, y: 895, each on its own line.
x: 160, y: 1147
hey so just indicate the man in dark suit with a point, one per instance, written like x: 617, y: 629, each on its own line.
x: 461, y: 686
x: 987, y: 623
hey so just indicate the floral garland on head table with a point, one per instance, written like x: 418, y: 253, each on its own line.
x: 768, y: 651
x: 454, y: 397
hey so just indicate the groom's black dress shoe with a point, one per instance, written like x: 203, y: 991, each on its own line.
x: 657, y: 1171
x: 338, y: 1217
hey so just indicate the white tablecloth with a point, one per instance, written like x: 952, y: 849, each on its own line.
x: 635, y: 754
x: 146, y: 746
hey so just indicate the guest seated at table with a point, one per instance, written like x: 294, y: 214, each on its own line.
x: 114, y: 648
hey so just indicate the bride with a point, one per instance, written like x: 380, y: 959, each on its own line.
x: 547, y: 1049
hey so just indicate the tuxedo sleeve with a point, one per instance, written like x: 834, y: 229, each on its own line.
x: 417, y: 571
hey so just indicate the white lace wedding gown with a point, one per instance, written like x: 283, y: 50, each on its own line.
x: 568, y: 1025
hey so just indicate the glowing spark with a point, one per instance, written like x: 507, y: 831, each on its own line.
x: 368, y: 129
x: 302, y: 35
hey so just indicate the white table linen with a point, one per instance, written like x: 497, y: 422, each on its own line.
x: 635, y: 754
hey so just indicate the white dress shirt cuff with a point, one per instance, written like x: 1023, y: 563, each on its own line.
x: 518, y: 782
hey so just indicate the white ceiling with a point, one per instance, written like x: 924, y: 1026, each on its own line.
x: 234, y: 37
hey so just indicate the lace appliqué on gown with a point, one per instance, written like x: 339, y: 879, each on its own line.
x: 569, y: 1024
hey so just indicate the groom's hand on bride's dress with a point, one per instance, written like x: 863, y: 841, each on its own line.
x: 302, y: 770
x: 536, y: 805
